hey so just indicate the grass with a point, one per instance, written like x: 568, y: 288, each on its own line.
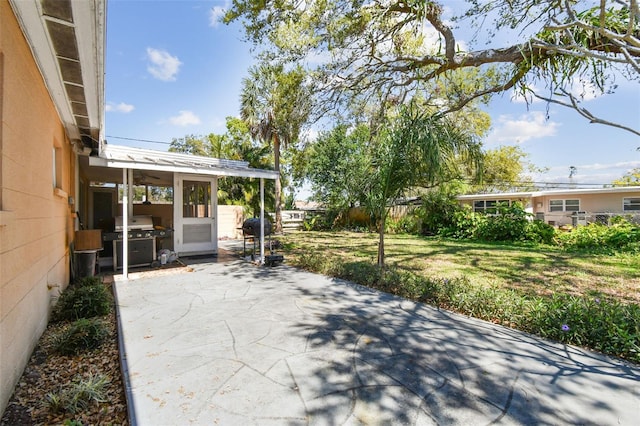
x: 577, y: 298
x: 528, y: 269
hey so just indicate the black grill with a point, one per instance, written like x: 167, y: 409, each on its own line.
x: 252, y: 227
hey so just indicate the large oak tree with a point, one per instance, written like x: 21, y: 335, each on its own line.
x: 388, y: 48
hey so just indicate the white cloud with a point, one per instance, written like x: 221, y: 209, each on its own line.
x: 163, y: 66
x: 532, y: 125
x: 184, y: 118
x: 216, y: 13
x: 121, y: 107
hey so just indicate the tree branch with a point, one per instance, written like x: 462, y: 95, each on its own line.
x: 583, y: 111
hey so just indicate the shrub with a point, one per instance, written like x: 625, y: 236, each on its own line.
x: 540, y: 232
x: 622, y: 235
x: 83, y: 300
x: 510, y: 223
x: 79, y: 395
x: 437, y: 211
x: 82, y: 335
x: 88, y: 281
x: 464, y: 224
x: 409, y: 224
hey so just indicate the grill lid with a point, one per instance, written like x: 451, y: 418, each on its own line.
x: 252, y: 227
x: 142, y: 222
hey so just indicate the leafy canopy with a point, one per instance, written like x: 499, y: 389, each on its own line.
x: 386, y: 49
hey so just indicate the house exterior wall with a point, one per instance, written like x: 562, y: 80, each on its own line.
x: 36, y: 223
x: 595, y: 205
x: 598, y: 206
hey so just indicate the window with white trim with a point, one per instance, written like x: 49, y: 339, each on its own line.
x: 488, y: 206
x: 631, y: 204
x: 564, y: 205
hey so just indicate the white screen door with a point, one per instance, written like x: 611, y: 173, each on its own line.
x: 195, y: 211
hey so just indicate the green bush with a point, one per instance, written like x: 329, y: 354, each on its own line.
x: 82, y: 300
x: 621, y: 235
x: 540, y: 232
x: 82, y: 335
x: 437, y: 211
x: 88, y: 281
x: 463, y: 225
x: 510, y: 223
x: 409, y: 224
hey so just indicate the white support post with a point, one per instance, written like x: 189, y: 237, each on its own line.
x: 125, y: 224
x: 262, y: 221
x: 130, y: 187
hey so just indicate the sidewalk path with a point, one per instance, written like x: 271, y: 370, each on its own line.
x: 235, y: 344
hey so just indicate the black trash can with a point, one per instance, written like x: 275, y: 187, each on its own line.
x: 86, y: 263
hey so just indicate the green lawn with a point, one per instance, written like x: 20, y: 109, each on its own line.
x: 526, y: 269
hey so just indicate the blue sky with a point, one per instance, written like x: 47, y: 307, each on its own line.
x: 172, y: 70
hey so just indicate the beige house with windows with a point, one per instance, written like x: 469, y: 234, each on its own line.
x: 566, y: 206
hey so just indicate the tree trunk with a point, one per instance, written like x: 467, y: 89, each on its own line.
x: 381, y: 242
x: 278, y: 194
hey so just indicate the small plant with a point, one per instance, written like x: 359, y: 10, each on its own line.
x: 88, y: 281
x: 82, y: 335
x: 84, y: 300
x: 79, y: 395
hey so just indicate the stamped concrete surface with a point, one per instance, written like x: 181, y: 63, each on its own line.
x: 231, y: 343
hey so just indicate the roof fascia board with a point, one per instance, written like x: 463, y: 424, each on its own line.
x: 33, y: 27
x: 90, y: 20
x: 114, y: 152
x: 496, y: 195
x: 557, y: 192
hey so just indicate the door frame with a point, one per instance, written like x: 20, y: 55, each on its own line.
x: 114, y: 203
x: 179, y: 220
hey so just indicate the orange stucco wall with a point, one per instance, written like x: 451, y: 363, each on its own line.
x: 35, y: 219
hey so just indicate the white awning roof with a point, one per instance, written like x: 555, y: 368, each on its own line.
x: 121, y: 157
x: 551, y: 192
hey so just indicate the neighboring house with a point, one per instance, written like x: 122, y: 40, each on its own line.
x: 57, y: 174
x: 566, y: 206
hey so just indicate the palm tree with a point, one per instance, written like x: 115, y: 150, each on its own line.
x: 275, y: 105
x: 415, y: 150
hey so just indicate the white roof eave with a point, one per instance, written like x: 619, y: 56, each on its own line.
x: 551, y: 192
x: 139, y: 159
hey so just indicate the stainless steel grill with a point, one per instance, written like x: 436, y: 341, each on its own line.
x: 140, y: 222
x: 141, y: 240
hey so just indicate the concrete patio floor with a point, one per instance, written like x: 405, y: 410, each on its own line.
x: 231, y: 343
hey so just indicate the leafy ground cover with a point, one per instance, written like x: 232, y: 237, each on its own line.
x: 72, y: 386
x: 586, y: 299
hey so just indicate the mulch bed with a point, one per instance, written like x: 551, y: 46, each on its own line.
x: 48, y: 372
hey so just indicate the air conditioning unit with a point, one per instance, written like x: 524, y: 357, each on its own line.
x: 579, y: 218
